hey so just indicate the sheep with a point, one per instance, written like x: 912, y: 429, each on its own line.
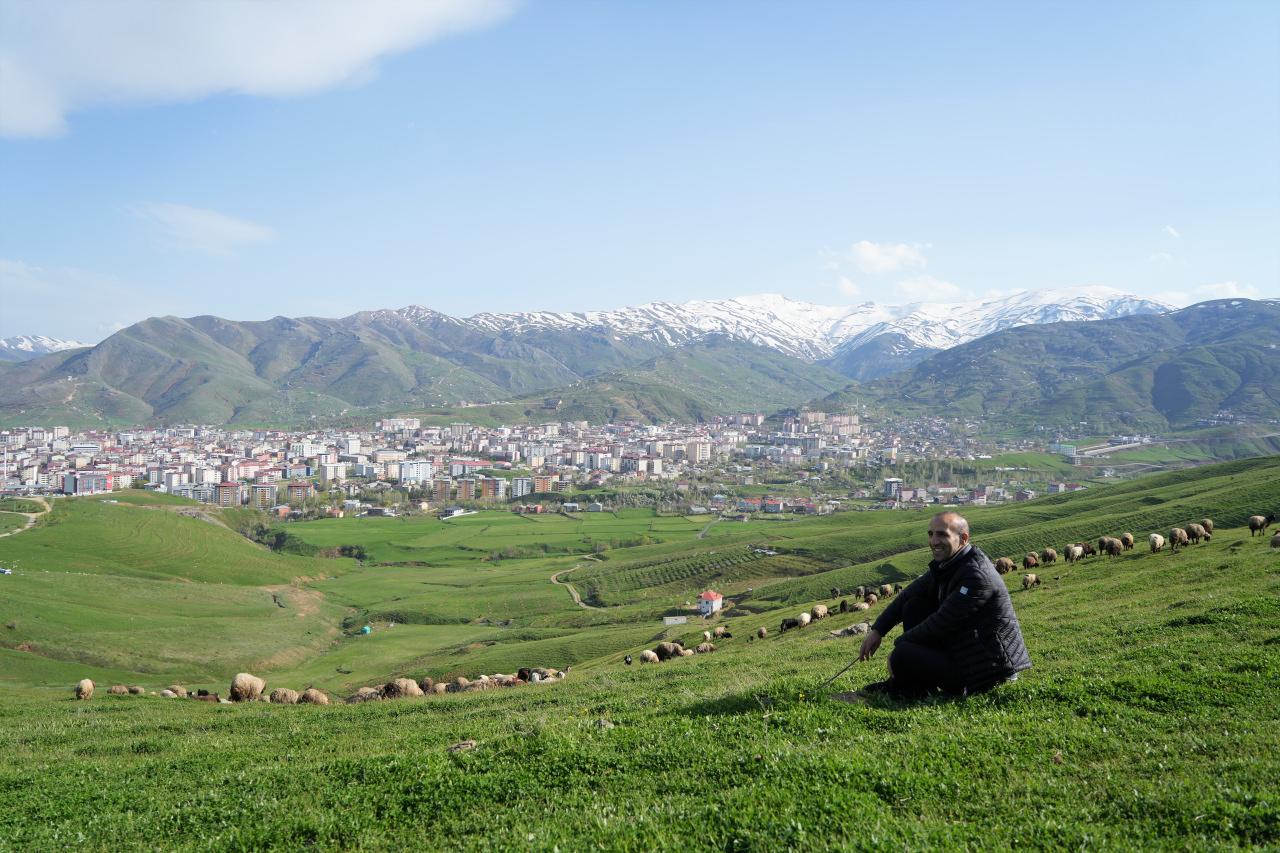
x: 1114, y: 547
x: 426, y: 683
x: 819, y: 611
x: 409, y: 687
x: 1207, y: 524
x: 1031, y: 561
x: 178, y: 690
x: 1275, y: 539
x: 284, y: 696
x: 365, y: 694
x: 1089, y: 550
x: 1126, y: 539
x: 897, y: 588
x: 664, y: 651
x: 1177, y: 539
x: 136, y: 690
x: 247, y: 688
x: 886, y: 590
x: 1004, y: 565
x: 853, y: 630
x: 461, y: 683
x: 860, y: 605
x: 788, y: 624
x: 844, y: 605
x: 523, y: 673
x: 1048, y: 555
x: 311, y: 696
x: 118, y: 690
x: 168, y: 694
x: 871, y: 599
x: 804, y: 619
x: 835, y: 593
x: 705, y: 648
x: 1157, y: 542
x: 860, y: 592
x: 688, y: 653
x: 762, y: 632
x: 721, y: 631
x: 1195, y: 533
x: 1030, y: 580
x: 1260, y: 523
x: 440, y: 688
x: 1073, y: 553
x: 647, y: 656
x: 706, y: 636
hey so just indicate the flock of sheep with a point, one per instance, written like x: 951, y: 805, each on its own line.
x: 246, y: 687
x: 249, y: 688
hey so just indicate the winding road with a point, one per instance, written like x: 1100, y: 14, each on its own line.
x: 577, y: 599
x: 31, y: 516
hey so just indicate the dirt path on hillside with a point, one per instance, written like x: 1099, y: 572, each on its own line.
x: 703, y: 534
x: 31, y: 516
x: 577, y: 599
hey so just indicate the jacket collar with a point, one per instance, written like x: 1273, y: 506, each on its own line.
x: 942, y: 570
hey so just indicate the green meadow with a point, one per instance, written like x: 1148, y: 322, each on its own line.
x: 1148, y: 720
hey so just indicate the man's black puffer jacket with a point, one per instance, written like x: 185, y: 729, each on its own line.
x: 970, y: 617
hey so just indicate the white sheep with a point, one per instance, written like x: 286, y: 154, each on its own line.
x: 1157, y: 542
x: 819, y: 611
x: 247, y: 688
x: 804, y: 619
x: 648, y: 656
x: 84, y: 689
x: 1030, y: 580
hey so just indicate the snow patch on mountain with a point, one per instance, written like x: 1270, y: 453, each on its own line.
x: 25, y: 347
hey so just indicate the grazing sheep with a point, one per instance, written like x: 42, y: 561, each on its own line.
x: 844, y: 605
x: 1089, y: 550
x: 178, y: 690
x: 1004, y: 565
x: 819, y: 611
x: 440, y: 687
x: 409, y: 687
x: 1207, y: 524
x: 853, y: 630
x: 1031, y: 561
x: 168, y: 694
x: 860, y: 605
x: 284, y: 696
x: 1157, y: 542
x: 1126, y: 539
x: 1073, y: 553
x: 871, y: 599
x: 1195, y: 533
x: 1260, y: 523
x: 688, y: 653
x: 787, y: 625
x: 762, y: 632
x: 426, y: 683
x: 1030, y: 580
x: 1177, y: 539
x: 721, y: 631
x: 460, y: 683
x: 118, y: 690
x: 1114, y: 548
x: 886, y: 590
x: 897, y: 588
x: 1048, y: 555
x: 365, y: 694
x: 860, y: 592
x: 804, y: 619
x: 704, y: 648
x: 247, y: 688
x: 627, y: 660
x: 835, y: 592
x: 647, y: 656
x: 136, y: 690
x: 706, y: 636
x: 311, y: 696
x: 666, y: 651
x: 1275, y: 539
x: 523, y: 673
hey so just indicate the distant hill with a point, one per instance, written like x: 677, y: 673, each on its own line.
x: 27, y: 347
x: 1142, y: 372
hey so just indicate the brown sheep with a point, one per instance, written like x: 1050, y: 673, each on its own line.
x: 408, y: 687
x: 1207, y: 524
x: 886, y: 590
x: 860, y: 592
x: 1031, y: 561
x: 118, y: 690
x: 844, y: 605
x: 871, y: 599
x: 819, y: 611
x: 247, y: 688
x: 1089, y: 550
x: 178, y: 690
x: 1048, y: 555
x: 705, y: 648
x: 426, y: 683
x: 1113, y: 546
x: 311, y: 696
x: 666, y: 651
x: 720, y: 631
x: 1157, y: 542
x: 1177, y: 538
x: 1126, y: 539
x: 1196, y: 532
x: 284, y: 696
x: 1030, y: 580
x: 440, y: 688
x: 1004, y: 565
x: 1260, y: 523
x: 365, y: 694
x: 136, y: 690
x: 762, y: 632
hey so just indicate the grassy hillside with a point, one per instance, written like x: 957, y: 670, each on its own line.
x: 1148, y: 721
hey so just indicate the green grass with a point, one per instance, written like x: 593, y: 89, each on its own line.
x: 11, y: 521
x: 19, y: 505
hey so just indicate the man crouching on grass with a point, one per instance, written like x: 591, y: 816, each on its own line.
x: 959, y: 633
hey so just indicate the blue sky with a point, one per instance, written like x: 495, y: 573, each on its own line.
x: 248, y: 160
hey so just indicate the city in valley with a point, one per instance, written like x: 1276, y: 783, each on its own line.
x: 809, y: 463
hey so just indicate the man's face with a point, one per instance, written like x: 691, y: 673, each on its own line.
x: 943, y: 541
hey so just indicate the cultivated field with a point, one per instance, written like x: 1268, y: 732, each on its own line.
x: 1148, y: 720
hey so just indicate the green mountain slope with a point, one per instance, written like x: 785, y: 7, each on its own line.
x: 1143, y: 372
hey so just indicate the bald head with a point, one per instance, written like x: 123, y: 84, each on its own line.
x: 948, y: 533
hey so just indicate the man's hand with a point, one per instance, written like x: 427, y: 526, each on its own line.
x: 870, y: 643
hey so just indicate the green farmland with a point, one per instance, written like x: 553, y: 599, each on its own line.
x: 1148, y: 720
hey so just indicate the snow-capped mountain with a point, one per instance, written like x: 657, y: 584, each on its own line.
x: 25, y: 347
x: 824, y: 332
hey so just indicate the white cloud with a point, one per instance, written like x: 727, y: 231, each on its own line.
x: 60, y: 57
x: 204, y: 230
x: 927, y: 288
x: 871, y: 257
x: 848, y: 287
x: 1172, y: 232
x: 1228, y: 290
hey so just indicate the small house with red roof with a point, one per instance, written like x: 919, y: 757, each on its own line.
x: 709, y: 602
